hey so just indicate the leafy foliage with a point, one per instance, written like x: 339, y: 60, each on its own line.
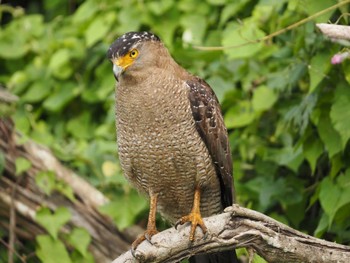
x: 286, y: 107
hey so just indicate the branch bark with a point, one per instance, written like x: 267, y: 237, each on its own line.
x: 240, y: 227
x: 335, y: 32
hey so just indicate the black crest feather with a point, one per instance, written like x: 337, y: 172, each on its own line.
x: 123, y: 44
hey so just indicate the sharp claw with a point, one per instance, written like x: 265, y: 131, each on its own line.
x: 178, y: 222
x: 133, y: 251
x: 148, y: 238
x: 205, y: 235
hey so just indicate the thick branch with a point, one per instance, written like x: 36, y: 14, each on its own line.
x: 240, y: 227
x: 335, y: 32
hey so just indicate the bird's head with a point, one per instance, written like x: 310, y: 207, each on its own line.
x: 131, y: 51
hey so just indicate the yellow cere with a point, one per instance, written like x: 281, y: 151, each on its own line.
x: 128, y: 59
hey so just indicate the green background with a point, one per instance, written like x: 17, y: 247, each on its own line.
x: 286, y: 106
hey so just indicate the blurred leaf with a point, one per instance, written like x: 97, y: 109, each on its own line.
x: 219, y: 85
x: 334, y: 195
x: 322, y: 226
x: 312, y: 149
x: 329, y: 136
x: 239, y: 115
x: 235, y: 35
x: 80, y: 239
x: 312, y: 7
x: 51, y: 250
x: 85, y: 11
x: 46, y: 181
x: 61, y: 96
x: 160, y: 7
x: 22, y: 165
x: 60, y: 64
x: 230, y: 9
x: 80, y: 127
x: 38, y: 91
x: 318, y: 69
x: 217, y: 2
x: 99, y: 28
x: 65, y: 189
x: 287, y: 156
x: 194, y: 28
x: 125, y: 209
x: 340, y: 113
x: 53, y: 222
x: 263, y: 98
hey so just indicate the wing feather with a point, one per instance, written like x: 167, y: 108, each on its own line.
x: 210, y: 125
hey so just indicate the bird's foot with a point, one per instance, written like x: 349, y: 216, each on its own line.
x: 147, y: 235
x: 196, y: 220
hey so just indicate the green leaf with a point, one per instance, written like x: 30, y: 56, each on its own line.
x: 61, y: 96
x: 53, y: 222
x: 322, y: 226
x: 334, y: 195
x: 340, y: 113
x: 312, y: 7
x: 287, y: 156
x: 46, y: 181
x: 263, y: 98
x: 329, y: 136
x: 37, y: 92
x: 80, y: 238
x: 220, y: 86
x: 318, y: 69
x: 236, y: 34
x: 312, y: 149
x: 217, y: 2
x: 51, y: 250
x: 80, y: 127
x: 160, y: 7
x: 239, y: 115
x: 85, y: 11
x: 65, y: 189
x: 22, y: 165
x: 99, y: 28
x: 194, y: 28
x: 125, y: 209
x: 60, y: 64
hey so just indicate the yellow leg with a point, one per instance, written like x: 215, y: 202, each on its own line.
x: 151, y: 225
x: 194, y: 216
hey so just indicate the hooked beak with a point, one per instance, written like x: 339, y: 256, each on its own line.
x: 117, y: 70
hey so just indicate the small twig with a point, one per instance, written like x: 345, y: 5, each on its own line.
x: 14, y: 251
x: 278, y: 32
x: 12, y: 227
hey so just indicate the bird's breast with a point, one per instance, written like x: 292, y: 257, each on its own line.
x: 160, y: 150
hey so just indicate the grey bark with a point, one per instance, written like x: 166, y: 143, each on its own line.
x: 240, y: 227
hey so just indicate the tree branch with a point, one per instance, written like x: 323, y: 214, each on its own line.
x: 240, y: 227
x: 335, y: 32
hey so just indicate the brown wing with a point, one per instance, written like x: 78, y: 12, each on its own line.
x: 210, y: 125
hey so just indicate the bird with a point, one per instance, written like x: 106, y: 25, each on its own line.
x: 172, y: 141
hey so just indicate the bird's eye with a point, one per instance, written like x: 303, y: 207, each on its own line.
x: 133, y: 53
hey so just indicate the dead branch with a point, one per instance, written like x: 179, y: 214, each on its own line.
x: 240, y: 227
x: 335, y: 32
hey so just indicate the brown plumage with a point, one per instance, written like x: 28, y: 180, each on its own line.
x: 173, y: 145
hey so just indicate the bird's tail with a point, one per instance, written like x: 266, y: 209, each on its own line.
x: 218, y: 257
